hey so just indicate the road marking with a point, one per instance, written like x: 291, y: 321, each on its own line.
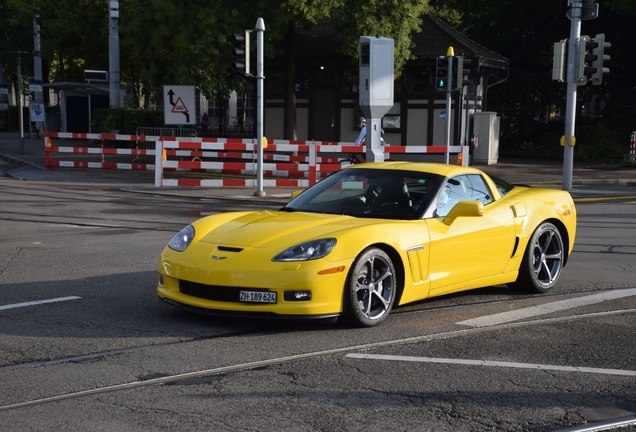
x: 515, y: 315
x: 38, y: 302
x: 83, y: 226
x: 280, y: 360
x: 494, y: 363
x: 202, y: 213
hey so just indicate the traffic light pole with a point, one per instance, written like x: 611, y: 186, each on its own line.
x: 260, y: 78
x: 450, y: 53
x: 570, y: 108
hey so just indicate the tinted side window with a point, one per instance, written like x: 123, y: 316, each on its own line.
x: 502, y: 186
x: 455, y: 190
x: 479, y: 189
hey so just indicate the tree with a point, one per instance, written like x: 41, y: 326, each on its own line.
x: 168, y: 42
x: 524, y: 32
x: 286, y: 20
x: 16, y: 35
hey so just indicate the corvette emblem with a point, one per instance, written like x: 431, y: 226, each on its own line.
x: 218, y: 258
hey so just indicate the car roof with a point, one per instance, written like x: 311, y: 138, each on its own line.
x: 445, y: 170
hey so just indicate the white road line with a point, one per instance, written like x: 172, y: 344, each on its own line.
x: 515, y: 315
x: 280, y: 360
x: 70, y: 226
x: 38, y: 302
x: 495, y: 363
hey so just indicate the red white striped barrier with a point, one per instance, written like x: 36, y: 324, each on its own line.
x: 233, y: 182
x: 295, y: 160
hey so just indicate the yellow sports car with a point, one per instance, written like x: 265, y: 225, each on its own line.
x: 368, y: 238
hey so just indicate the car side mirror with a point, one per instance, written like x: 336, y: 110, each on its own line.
x: 464, y: 209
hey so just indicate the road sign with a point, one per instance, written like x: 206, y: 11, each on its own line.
x: 96, y: 75
x: 178, y: 105
x: 588, y: 11
x: 35, y: 85
x: 37, y: 111
x: 4, y: 89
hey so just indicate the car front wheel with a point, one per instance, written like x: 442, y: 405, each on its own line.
x: 542, y: 261
x: 370, y: 290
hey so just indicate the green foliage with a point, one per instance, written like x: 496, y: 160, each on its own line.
x: 189, y: 42
x: 524, y: 32
x: 600, y: 144
x: 596, y: 141
x: 125, y: 120
x: 625, y: 6
x: 394, y: 19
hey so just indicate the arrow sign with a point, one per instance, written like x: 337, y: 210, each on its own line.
x: 177, y: 99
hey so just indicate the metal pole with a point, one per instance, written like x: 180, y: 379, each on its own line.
x: 450, y: 53
x: 37, y: 65
x: 19, y: 97
x: 113, y: 53
x: 570, y: 108
x: 260, y: 58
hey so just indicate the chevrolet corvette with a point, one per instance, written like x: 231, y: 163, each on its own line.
x: 369, y: 238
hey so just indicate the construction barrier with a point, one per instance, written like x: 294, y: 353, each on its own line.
x: 297, y: 162
x: 632, y: 147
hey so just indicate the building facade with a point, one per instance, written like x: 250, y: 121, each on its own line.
x: 327, y: 95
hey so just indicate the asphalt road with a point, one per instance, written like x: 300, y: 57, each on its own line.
x: 85, y: 345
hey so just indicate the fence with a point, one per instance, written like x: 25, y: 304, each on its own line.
x: 157, y: 132
x: 296, y: 163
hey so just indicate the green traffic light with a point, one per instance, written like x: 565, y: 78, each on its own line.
x: 441, y: 84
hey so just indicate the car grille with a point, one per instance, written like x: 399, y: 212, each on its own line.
x: 212, y: 292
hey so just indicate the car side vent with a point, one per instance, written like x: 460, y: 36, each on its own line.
x: 514, y: 250
x: 230, y: 249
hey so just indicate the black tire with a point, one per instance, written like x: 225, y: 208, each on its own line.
x: 543, y: 260
x: 369, y: 301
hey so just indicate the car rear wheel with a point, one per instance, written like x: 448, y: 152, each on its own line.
x: 542, y: 261
x: 370, y: 290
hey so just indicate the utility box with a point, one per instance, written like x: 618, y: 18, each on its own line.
x: 376, y: 88
x: 376, y: 75
x: 486, y: 131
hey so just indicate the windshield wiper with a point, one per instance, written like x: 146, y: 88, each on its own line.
x: 288, y: 209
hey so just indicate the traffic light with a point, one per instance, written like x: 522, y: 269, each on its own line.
x: 559, y: 60
x: 467, y: 68
x: 601, y: 57
x: 585, y: 70
x: 441, y: 73
x: 242, y: 49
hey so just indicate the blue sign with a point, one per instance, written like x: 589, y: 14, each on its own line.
x: 442, y: 115
x: 35, y: 85
x: 36, y: 110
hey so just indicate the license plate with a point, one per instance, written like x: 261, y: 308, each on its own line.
x: 257, y: 296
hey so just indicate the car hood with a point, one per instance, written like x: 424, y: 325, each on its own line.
x: 269, y: 228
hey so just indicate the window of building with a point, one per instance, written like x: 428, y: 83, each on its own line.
x: 326, y: 77
x: 419, y: 82
x: 275, y: 82
x: 302, y: 81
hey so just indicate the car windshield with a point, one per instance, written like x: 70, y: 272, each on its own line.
x: 376, y: 193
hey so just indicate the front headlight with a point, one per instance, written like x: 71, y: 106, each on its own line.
x: 183, y: 239
x: 307, y: 251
